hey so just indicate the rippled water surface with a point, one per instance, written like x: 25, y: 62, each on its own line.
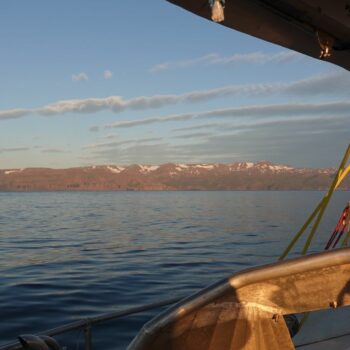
x: 64, y: 256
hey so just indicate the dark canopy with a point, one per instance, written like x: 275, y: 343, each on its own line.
x: 293, y: 24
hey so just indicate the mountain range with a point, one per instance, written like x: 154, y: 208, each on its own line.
x: 262, y: 175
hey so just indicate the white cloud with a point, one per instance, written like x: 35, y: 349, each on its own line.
x: 335, y: 83
x: 254, y: 140
x: 94, y: 129
x: 114, y: 144
x: 14, y: 113
x: 153, y: 153
x: 217, y: 59
x: 194, y: 135
x: 258, y: 58
x: 14, y: 149
x: 291, y: 110
x: 277, y: 141
x: 207, y: 59
x: 53, y: 150
x: 80, y: 77
x: 198, y: 127
x: 107, y: 74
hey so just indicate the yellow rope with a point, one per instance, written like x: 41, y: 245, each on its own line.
x: 300, y: 232
x: 343, y: 174
x: 320, y: 209
x: 326, y: 201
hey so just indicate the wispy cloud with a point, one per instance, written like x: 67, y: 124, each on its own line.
x: 94, y: 128
x: 335, y: 83
x: 111, y: 136
x: 145, y: 154
x: 14, y: 113
x: 194, y: 135
x: 80, y: 77
x: 235, y: 139
x: 198, y: 127
x: 53, y: 150
x: 152, y: 120
x: 185, y: 63
x: 316, y: 121
x: 326, y: 109
x: 107, y: 74
x: 217, y: 59
x: 114, y: 144
x: 279, y: 139
x: 14, y: 149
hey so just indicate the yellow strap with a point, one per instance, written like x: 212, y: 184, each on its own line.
x: 300, y: 232
x: 335, y: 183
x: 343, y: 175
x: 320, y: 209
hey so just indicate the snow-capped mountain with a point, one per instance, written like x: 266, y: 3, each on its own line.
x: 262, y: 175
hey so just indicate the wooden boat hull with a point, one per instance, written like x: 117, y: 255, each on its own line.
x: 245, y: 311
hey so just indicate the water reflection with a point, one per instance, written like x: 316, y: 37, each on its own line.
x: 68, y: 255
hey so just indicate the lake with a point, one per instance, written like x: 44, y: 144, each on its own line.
x: 65, y: 255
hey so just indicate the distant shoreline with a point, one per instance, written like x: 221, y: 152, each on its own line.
x: 173, y: 191
x: 243, y: 176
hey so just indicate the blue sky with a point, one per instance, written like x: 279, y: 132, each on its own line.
x: 123, y: 82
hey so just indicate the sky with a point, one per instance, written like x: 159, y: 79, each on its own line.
x: 122, y: 82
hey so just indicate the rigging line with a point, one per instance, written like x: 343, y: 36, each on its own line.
x: 300, y: 232
x: 328, y: 196
x: 347, y: 229
x: 336, y: 230
x: 342, y: 224
x: 341, y: 174
x: 339, y: 236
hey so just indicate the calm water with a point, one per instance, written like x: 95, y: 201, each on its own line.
x: 64, y: 256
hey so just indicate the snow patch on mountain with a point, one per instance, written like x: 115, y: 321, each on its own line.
x: 8, y: 172
x: 115, y: 169
x: 280, y: 168
x: 191, y: 167
x: 145, y: 169
x: 205, y: 166
x: 180, y: 167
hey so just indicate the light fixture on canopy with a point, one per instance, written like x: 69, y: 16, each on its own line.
x: 217, y: 10
x: 326, y: 44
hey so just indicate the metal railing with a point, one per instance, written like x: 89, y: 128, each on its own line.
x: 87, y: 323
